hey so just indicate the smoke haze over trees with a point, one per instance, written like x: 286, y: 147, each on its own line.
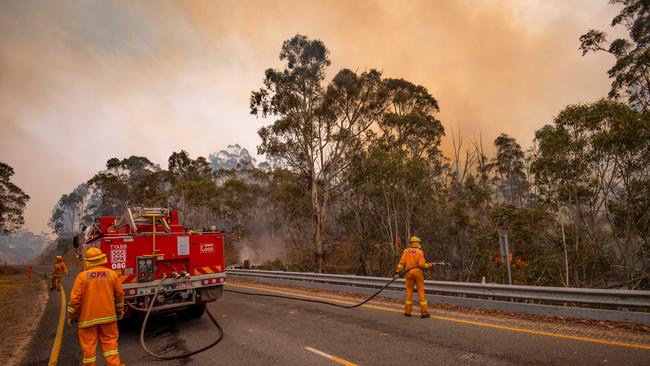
x: 22, y: 246
x: 357, y: 170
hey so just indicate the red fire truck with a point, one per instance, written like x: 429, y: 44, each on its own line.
x: 147, y: 246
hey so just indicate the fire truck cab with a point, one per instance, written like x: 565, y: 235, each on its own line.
x: 147, y: 247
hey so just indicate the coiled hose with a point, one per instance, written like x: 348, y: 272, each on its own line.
x: 216, y: 323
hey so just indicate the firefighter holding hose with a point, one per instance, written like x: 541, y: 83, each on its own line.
x: 59, y: 270
x: 97, y: 303
x: 414, y: 257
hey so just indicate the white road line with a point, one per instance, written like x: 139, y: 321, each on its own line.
x: 331, y: 357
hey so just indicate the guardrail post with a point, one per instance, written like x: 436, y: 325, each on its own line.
x: 503, y: 240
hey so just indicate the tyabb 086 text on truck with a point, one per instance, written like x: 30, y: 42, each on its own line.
x: 148, y: 245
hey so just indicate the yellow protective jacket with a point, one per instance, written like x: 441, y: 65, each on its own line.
x: 59, y: 269
x: 96, y: 298
x: 412, y: 257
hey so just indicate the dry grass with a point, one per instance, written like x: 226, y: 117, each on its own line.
x: 22, y: 302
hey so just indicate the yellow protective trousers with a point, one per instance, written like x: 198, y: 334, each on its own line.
x: 107, y: 335
x: 414, y: 278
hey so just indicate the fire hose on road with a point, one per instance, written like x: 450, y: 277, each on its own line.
x: 188, y: 354
x: 218, y: 326
x: 396, y: 276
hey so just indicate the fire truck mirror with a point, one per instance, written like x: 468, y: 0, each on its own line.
x: 75, y: 241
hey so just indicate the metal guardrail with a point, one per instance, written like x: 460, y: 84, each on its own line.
x: 599, y: 304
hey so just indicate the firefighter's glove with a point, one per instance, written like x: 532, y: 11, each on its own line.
x: 428, y: 265
x: 399, y: 269
x: 71, y: 322
x: 120, y: 316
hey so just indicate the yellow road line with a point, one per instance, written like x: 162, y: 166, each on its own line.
x: 481, y: 324
x: 331, y: 357
x: 54, y: 356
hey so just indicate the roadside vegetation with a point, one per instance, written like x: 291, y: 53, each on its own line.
x: 17, y: 245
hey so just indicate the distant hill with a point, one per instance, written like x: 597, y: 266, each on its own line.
x: 22, y: 246
x: 231, y: 157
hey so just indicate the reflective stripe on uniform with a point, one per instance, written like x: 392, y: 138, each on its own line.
x: 409, y: 302
x: 106, y: 319
x: 111, y: 352
x: 71, y: 309
x: 423, y: 302
x: 89, y: 360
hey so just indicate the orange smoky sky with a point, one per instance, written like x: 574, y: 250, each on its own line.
x: 84, y: 81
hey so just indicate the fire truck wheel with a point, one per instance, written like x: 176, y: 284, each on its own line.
x: 192, y: 311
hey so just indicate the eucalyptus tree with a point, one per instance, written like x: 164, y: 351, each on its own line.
x: 407, y: 149
x: 631, y: 72
x: 510, y: 176
x: 318, y: 126
x: 121, y: 184
x: 12, y: 201
x: 593, y: 161
x: 192, y: 189
x: 69, y: 213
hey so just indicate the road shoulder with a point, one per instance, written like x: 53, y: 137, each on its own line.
x: 22, y: 301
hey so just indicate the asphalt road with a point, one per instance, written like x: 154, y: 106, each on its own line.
x: 269, y: 331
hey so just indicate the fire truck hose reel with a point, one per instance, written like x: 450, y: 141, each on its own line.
x: 327, y: 302
x: 144, y: 326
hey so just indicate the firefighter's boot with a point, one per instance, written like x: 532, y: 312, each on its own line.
x: 424, y: 310
x: 408, y: 308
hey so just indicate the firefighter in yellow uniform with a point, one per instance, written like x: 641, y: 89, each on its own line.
x: 97, y: 303
x: 59, y: 270
x: 411, y: 257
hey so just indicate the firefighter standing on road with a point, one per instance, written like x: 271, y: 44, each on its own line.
x: 59, y: 270
x: 414, y: 256
x: 97, y: 303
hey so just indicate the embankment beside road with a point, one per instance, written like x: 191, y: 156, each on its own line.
x: 52, y: 250
x: 22, y: 301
